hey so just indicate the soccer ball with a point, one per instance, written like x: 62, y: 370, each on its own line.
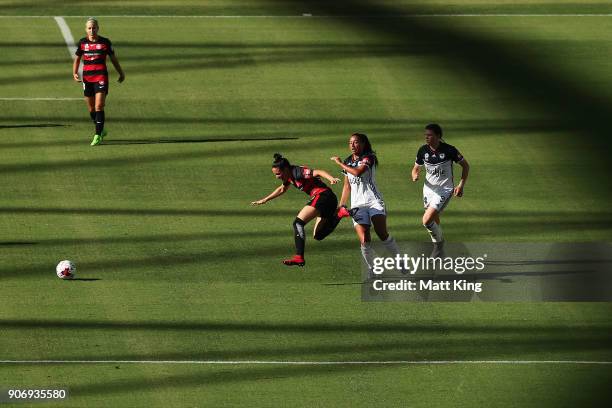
x: 65, y: 270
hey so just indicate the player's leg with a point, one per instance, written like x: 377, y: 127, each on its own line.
x: 327, y: 204
x: 429, y: 222
x: 324, y: 227
x: 90, y: 101
x: 304, y: 216
x: 91, y: 107
x: 367, y: 252
x: 379, y: 221
x: 100, y: 103
x: 362, y: 222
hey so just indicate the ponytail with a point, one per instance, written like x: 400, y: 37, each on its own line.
x: 280, y: 162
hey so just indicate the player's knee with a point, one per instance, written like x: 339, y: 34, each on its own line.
x: 321, y: 232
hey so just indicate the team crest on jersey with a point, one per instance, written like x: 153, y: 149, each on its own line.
x: 426, y: 156
x: 101, y: 82
x: 442, y: 155
x: 86, y: 47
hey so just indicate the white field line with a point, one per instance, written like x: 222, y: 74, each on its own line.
x: 314, y: 363
x: 307, y: 15
x: 41, y: 99
x: 67, y: 34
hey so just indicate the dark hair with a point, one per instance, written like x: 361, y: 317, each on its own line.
x: 367, y: 147
x: 280, y: 162
x: 434, y: 127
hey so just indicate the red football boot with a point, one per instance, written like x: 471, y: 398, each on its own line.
x: 297, y: 260
x: 343, y: 212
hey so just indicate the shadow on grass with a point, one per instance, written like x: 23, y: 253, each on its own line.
x: 552, y: 331
x: 32, y: 125
x: 561, y: 217
x: 214, y: 140
x: 380, y: 130
x: 339, y: 341
x: 83, y: 279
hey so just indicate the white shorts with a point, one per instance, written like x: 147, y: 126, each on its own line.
x: 437, y: 199
x: 366, y: 212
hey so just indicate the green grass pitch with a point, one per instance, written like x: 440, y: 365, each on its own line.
x: 178, y: 266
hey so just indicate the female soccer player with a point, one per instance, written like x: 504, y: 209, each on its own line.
x: 367, y: 203
x: 438, y: 157
x: 93, y: 49
x: 322, y: 204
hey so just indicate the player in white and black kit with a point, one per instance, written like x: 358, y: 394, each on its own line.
x: 438, y: 157
x: 368, y: 207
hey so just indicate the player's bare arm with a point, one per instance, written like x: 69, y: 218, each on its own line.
x: 276, y: 193
x: 355, y: 171
x: 326, y: 176
x: 346, y: 191
x: 117, y: 66
x: 458, y: 190
x: 75, y: 68
x: 415, y: 172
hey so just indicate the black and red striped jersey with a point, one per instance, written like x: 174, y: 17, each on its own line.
x: 94, y: 58
x: 303, y: 179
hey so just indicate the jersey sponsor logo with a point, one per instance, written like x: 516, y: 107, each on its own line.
x: 436, y: 171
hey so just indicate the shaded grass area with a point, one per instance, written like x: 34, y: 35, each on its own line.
x: 352, y: 385
x: 294, y: 7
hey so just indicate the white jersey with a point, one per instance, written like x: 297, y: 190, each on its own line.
x: 363, y: 188
x: 438, y: 166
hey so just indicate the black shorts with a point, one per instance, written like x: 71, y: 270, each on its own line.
x: 92, y: 88
x: 326, y: 202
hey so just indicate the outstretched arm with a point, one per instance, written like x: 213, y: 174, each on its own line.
x: 277, y: 192
x: 355, y: 171
x: 326, y: 175
x: 458, y: 192
x: 415, y: 172
x: 117, y: 66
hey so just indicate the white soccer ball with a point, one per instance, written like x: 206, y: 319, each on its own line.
x: 65, y: 270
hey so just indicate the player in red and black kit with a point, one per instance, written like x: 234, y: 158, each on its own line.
x: 323, y: 203
x: 93, y: 50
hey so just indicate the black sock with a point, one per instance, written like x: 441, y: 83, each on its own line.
x: 300, y: 236
x: 99, y: 122
x: 92, y: 115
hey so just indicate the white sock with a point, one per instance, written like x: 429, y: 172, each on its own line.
x: 391, y: 245
x: 368, y: 254
x: 435, y: 231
